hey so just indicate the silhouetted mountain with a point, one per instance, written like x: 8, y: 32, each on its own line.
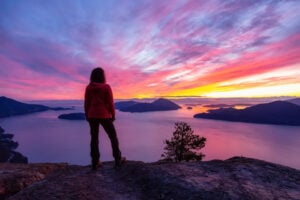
x: 166, y: 104
x: 10, y: 107
x: 225, y: 105
x: 217, y: 106
x: 157, y: 105
x: 72, y: 116
x: 277, y: 112
x: 124, y: 104
x: 7, y: 147
x: 294, y: 101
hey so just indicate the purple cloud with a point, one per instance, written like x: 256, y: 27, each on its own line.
x: 142, y: 43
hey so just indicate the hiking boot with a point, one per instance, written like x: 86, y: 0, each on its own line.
x: 120, y: 162
x: 97, y: 165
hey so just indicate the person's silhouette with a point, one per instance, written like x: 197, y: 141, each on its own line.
x: 99, y: 109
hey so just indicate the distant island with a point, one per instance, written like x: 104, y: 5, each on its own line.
x: 225, y: 105
x: 131, y: 106
x: 277, y: 112
x: 72, y: 116
x: 10, y: 107
x: 7, y: 149
x: 157, y: 105
x: 124, y: 104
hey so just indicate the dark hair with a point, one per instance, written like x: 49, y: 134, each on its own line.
x: 97, y: 75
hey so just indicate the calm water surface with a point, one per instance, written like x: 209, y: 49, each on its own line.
x: 45, y: 138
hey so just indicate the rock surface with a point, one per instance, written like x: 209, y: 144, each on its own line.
x: 15, y: 177
x: 235, y: 178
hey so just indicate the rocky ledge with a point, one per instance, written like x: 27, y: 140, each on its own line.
x: 235, y: 178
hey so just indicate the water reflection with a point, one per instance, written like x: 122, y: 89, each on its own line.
x: 44, y: 138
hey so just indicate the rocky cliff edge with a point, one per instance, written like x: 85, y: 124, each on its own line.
x: 235, y: 178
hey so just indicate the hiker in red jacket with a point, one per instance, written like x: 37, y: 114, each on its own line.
x: 99, y: 109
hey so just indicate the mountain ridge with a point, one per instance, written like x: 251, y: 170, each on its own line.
x: 160, y: 104
x: 294, y: 101
x: 277, y: 112
x: 10, y: 107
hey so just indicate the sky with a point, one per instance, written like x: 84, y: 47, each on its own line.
x: 150, y: 48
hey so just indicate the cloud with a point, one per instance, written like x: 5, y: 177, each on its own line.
x: 147, y: 48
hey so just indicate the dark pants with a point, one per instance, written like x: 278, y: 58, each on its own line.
x: 109, y: 128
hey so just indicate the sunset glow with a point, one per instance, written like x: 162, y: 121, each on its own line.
x: 150, y: 48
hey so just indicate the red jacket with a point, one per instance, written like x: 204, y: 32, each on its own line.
x: 98, y: 101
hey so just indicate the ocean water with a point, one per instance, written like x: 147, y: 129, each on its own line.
x: 43, y: 137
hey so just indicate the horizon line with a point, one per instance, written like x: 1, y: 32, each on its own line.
x: 167, y: 97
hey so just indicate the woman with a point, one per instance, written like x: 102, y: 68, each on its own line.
x: 99, y: 109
